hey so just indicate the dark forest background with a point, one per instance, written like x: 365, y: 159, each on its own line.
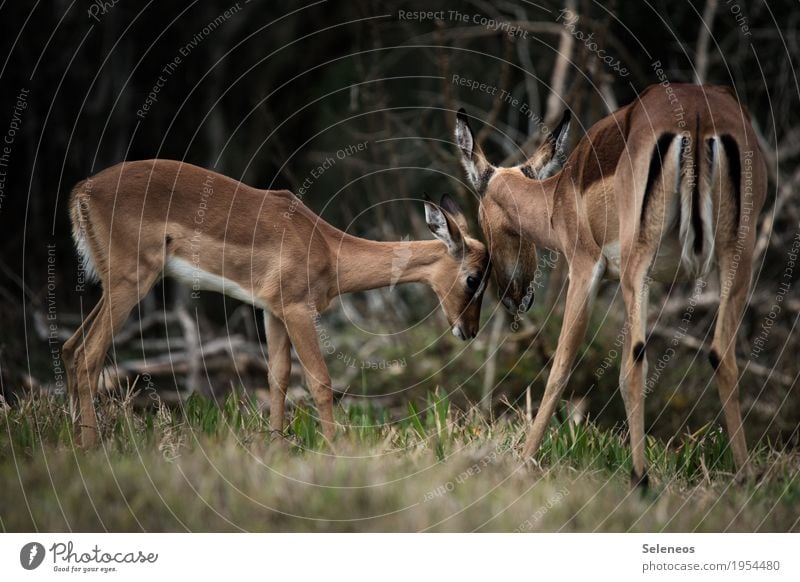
x: 275, y: 87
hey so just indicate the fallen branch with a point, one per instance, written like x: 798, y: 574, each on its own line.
x: 757, y: 369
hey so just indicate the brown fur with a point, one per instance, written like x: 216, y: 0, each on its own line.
x: 136, y: 217
x: 594, y: 206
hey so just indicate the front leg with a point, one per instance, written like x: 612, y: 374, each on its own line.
x: 299, y: 321
x: 279, y: 370
x: 584, y: 279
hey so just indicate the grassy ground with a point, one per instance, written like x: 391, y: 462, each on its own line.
x: 213, y: 467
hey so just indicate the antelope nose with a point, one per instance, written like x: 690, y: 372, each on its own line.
x: 464, y: 333
x: 509, y: 304
x: 528, y: 301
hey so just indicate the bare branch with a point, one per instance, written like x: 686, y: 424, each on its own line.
x: 703, y: 36
x: 558, y: 81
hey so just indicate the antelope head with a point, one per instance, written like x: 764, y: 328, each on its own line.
x: 459, y: 277
x: 513, y: 258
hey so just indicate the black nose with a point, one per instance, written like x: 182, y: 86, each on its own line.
x: 529, y: 300
x: 509, y: 304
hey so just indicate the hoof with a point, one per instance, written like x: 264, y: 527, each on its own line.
x: 87, y: 439
x: 642, y: 482
x: 279, y: 442
x: 747, y: 475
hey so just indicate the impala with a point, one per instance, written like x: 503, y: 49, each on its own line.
x: 138, y: 221
x: 665, y: 189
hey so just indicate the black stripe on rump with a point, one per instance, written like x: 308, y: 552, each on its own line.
x: 656, y: 164
x: 734, y: 173
x: 697, y: 221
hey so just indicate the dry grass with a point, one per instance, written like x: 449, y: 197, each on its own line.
x: 212, y: 467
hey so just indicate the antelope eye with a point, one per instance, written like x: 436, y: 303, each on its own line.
x: 473, y: 282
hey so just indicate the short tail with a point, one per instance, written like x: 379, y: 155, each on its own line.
x: 81, y: 229
x: 699, y: 168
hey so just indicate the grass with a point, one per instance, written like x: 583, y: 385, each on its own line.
x: 213, y: 467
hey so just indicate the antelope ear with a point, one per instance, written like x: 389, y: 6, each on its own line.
x: 472, y: 157
x: 557, y: 141
x: 562, y: 133
x: 464, y: 137
x: 444, y: 228
x: 454, y: 210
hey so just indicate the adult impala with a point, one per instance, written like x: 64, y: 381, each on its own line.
x: 138, y: 221
x: 667, y: 188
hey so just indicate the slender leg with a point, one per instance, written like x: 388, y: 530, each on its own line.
x: 635, y: 291
x: 723, y: 353
x: 88, y: 361
x: 584, y: 277
x: 280, y: 367
x: 303, y: 335
x: 69, y: 347
x: 118, y: 300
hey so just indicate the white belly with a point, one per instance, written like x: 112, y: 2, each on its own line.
x: 198, y: 280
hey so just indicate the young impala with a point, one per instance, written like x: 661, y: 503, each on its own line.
x: 667, y: 188
x: 138, y: 221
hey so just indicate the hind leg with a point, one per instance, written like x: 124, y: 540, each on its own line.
x: 69, y: 347
x: 120, y: 295
x: 733, y: 296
